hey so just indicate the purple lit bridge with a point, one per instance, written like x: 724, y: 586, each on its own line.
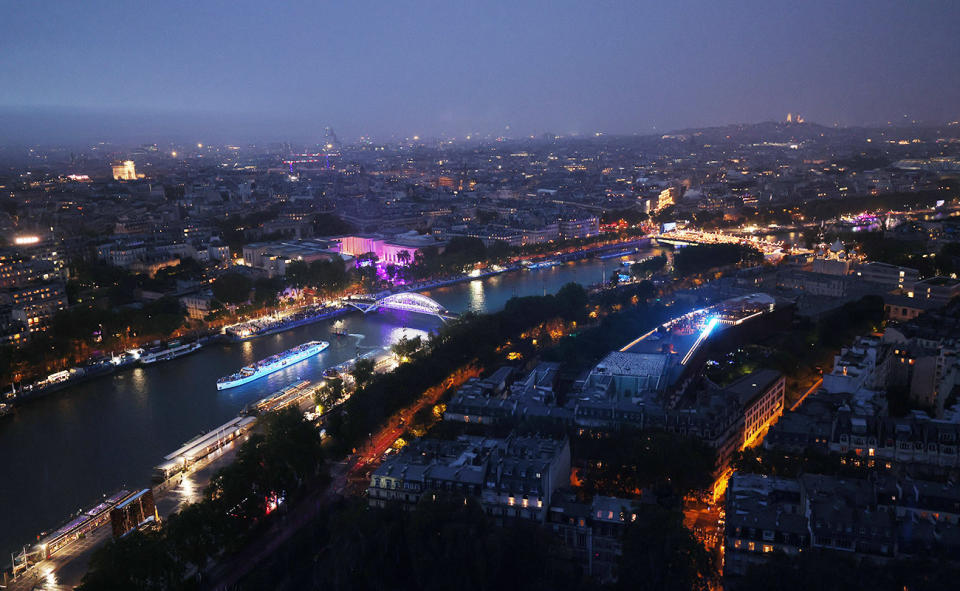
x: 407, y: 301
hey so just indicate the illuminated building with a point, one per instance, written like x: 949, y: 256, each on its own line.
x: 667, y: 198
x: 35, y: 305
x: 388, y: 250
x: 579, y: 228
x: 19, y: 270
x: 761, y: 396
x: 124, y: 170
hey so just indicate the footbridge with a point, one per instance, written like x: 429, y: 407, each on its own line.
x: 407, y: 301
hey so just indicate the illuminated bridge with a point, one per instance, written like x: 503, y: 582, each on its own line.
x: 407, y: 301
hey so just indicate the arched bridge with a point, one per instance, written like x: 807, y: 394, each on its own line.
x: 408, y: 301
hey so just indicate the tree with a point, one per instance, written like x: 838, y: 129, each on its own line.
x: 191, y: 534
x: 698, y: 259
x: 572, y: 301
x: 328, y: 224
x: 659, y: 553
x: 327, y: 395
x: 651, y: 265
x: 362, y: 372
x: 139, y: 561
x: 405, y: 348
x: 266, y: 290
x: 664, y: 463
x: 232, y: 288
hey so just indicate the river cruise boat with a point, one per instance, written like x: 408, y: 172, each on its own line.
x: 171, y: 350
x: 271, y: 364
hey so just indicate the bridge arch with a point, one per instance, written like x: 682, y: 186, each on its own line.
x: 410, y: 301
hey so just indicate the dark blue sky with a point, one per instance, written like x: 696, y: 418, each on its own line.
x: 239, y: 69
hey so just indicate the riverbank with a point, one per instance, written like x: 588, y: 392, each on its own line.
x: 106, y: 434
x: 105, y: 369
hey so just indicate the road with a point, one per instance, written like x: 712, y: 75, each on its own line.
x: 816, y: 385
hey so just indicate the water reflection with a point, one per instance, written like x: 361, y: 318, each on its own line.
x: 477, y: 299
x: 400, y: 332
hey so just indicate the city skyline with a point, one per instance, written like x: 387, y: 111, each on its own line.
x: 248, y: 73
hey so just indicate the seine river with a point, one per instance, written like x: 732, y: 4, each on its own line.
x: 61, y: 453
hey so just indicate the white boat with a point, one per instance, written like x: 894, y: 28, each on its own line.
x: 173, y: 350
x: 271, y: 364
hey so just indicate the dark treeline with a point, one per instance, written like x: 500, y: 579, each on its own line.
x: 328, y: 277
x: 908, y: 253
x: 699, y: 259
x: 833, y: 571
x: 448, y: 543
x: 651, y: 265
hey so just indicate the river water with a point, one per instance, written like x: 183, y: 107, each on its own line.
x: 63, y: 452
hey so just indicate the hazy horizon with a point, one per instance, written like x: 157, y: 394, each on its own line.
x: 247, y: 71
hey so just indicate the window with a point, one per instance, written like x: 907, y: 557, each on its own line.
x: 767, y: 548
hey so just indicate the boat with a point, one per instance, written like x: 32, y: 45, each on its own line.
x: 616, y: 255
x: 271, y: 364
x: 126, y: 358
x: 172, y: 350
x: 5, y: 409
x: 338, y: 329
x: 546, y: 264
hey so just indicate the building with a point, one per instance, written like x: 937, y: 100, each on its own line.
x: 133, y: 513
x: 881, y: 518
x: 273, y: 257
x: 666, y: 198
x: 902, y: 308
x: 890, y: 276
x: 17, y: 270
x: 121, y: 255
x: 861, y: 366
x: 936, y: 290
x: 593, y: 531
x: 400, y: 249
x: 831, y: 266
x: 515, y: 477
x: 629, y: 375
x: 761, y: 396
x: 124, y: 170
x: 198, y: 305
x: 763, y: 515
x: 925, y: 356
x: 570, y: 229
x: 35, y: 305
x: 915, y: 440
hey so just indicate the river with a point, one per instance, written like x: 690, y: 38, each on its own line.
x: 61, y: 453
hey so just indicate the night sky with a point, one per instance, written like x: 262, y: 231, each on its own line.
x: 243, y: 70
